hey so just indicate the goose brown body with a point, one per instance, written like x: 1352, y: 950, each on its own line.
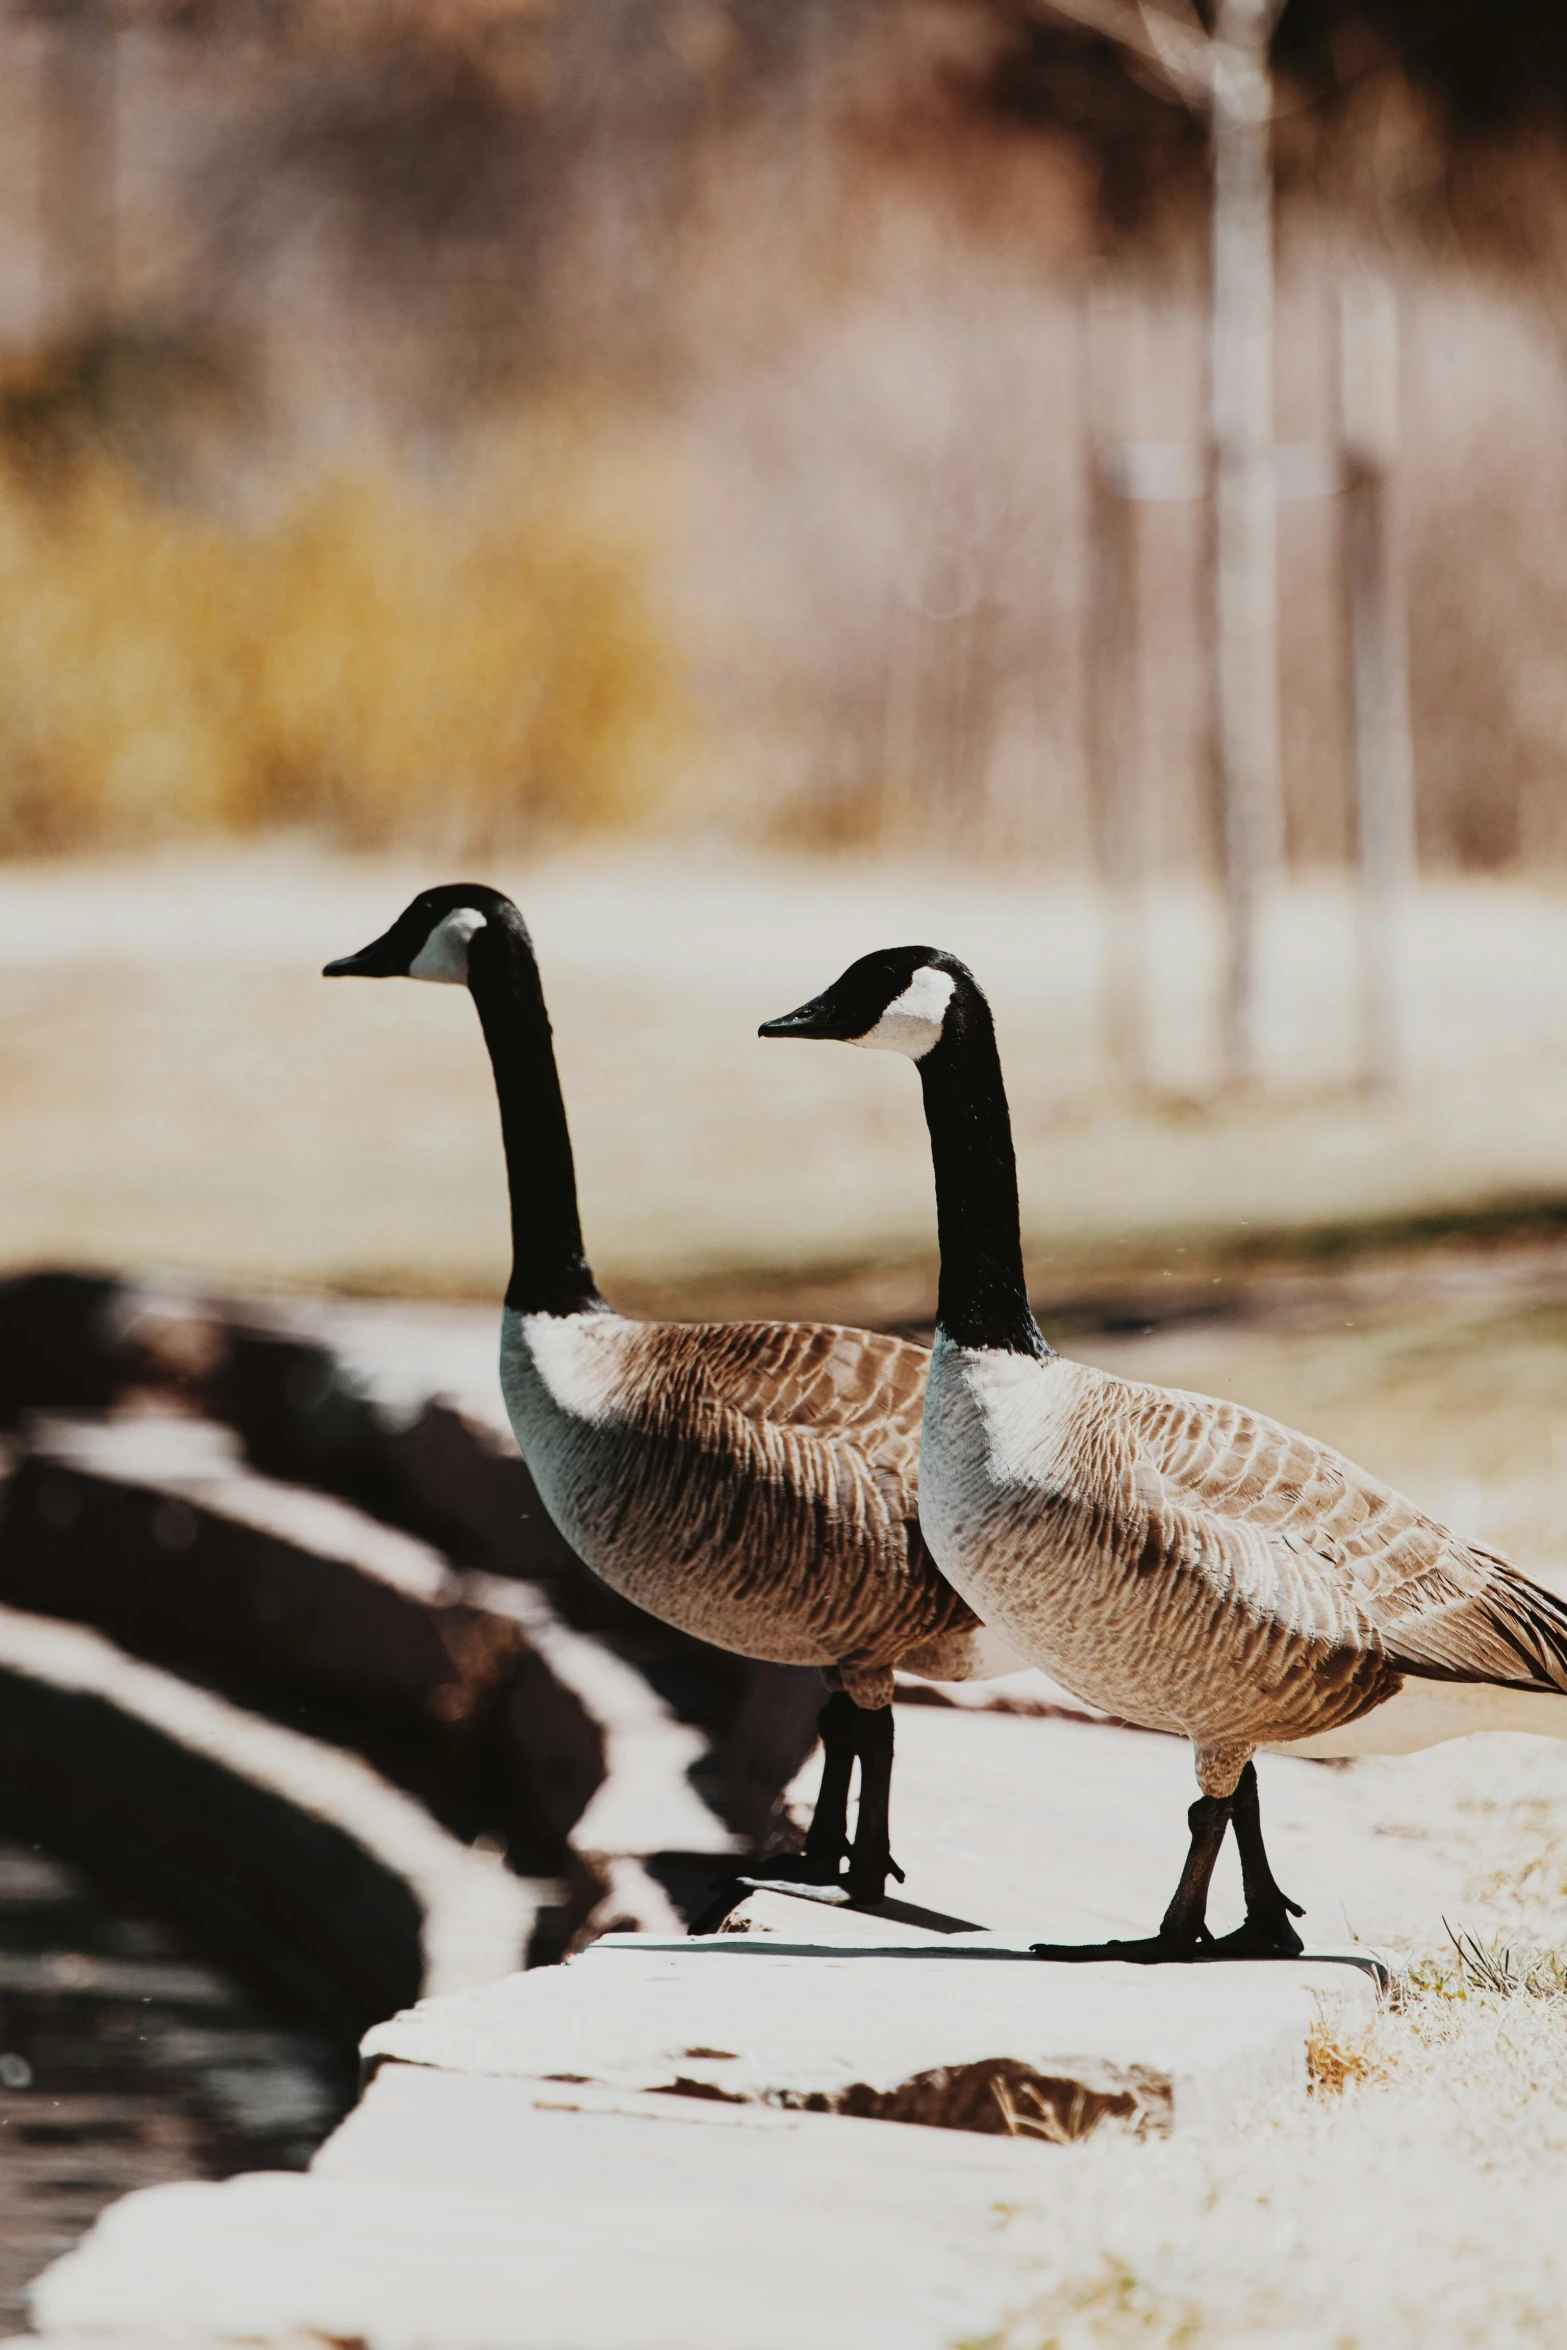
x: 754, y: 1483
x: 1197, y: 1567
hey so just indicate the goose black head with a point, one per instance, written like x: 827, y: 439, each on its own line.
x: 894, y: 1001
x: 431, y: 937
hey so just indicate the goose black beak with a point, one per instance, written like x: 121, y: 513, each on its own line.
x: 381, y: 959
x: 817, y: 1018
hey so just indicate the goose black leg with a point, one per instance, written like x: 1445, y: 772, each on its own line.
x: 870, y: 1856
x: 827, y: 1839
x: 1266, y: 1932
x: 1183, y: 1933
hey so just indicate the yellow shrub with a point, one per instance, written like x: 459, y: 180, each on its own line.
x: 373, y: 663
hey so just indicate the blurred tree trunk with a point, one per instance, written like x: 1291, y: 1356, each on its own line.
x: 1111, y: 371
x: 77, y: 195
x: 1227, y: 71
x: 1246, y: 534
x: 1379, y: 662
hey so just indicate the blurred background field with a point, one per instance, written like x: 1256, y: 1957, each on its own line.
x: 182, y: 1090
x: 751, y: 477
x: 455, y: 424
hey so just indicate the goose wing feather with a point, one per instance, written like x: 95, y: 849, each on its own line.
x: 825, y: 1403
x: 1311, y: 1541
x: 846, y: 1386
x: 826, y: 1422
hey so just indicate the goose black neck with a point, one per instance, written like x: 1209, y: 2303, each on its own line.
x: 983, y: 1299
x: 549, y: 1273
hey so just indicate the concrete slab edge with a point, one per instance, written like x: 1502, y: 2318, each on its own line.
x: 476, y: 1917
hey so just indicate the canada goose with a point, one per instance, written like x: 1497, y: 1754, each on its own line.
x: 1181, y: 1562
x: 754, y: 1482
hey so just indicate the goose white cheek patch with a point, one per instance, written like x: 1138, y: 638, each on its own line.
x: 444, y: 954
x: 912, y: 1022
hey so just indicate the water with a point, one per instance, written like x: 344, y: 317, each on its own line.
x: 127, y: 2058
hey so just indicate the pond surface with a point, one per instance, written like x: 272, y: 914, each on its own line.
x: 128, y: 2057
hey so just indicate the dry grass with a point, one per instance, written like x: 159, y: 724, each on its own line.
x: 1342, y: 2051
x: 1418, y: 2207
x: 1413, y: 2200
x: 850, y: 289
x: 372, y: 662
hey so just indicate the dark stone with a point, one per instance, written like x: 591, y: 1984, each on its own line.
x: 59, y: 1348
x: 297, y: 1901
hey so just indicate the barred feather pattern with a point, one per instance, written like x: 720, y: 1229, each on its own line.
x: 1198, y: 1568
x: 755, y: 1483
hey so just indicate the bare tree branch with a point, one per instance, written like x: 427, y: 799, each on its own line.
x: 1166, y: 34
x: 1182, y: 49
x: 1177, y: 51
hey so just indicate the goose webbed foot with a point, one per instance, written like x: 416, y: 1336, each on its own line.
x: 1183, y: 1934
x: 1262, y: 1937
x: 1152, y: 1950
x: 778, y: 1868
x: 827, y: 1838
x: 798, y: 1868
x: 1183, y: 1937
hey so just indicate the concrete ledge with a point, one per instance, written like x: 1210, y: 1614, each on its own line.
x: 466, y: 2129
x: 643, y: 1801
x: 466, y: 1688
x: 955, y: 2033
x: 1061, y: 1831
x: 396, y: 1412
x: 465, y: 2214
x: 292, y: 1852
x: 151, y: 1527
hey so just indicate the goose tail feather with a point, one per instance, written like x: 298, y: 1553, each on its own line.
x: 1512, y: 1633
